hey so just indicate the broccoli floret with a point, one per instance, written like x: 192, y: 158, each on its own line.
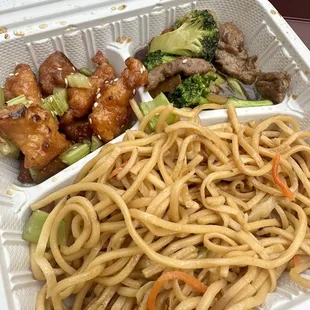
x: 194, y: 35
x: 192, y: 91
x: 147, y: 107
x: 154, y: 59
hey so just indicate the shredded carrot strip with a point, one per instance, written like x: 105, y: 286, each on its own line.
x: 283, y: 186
x: 117, y: 170
x: 296, y: 260
x: 173, y: 275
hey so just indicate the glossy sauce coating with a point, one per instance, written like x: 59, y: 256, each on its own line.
x: 81, y: 100
x: 53, y: 71
x: 23, y: 82
x: 111, y: 110
x: 35, y: 132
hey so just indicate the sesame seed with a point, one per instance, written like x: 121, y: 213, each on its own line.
x: 59, y: 69
x: 105, y: 82
x: 90, y: 120
x: 98, y: 96
x: 66, y: 81
x: 115, y: 79
x: 96, y: 104
x: 134, y: 91
x: 30, y: 101
x: 141, y: 70
x: 11, y: 74
x: 16, y: 73
x: 184, y: 61
x: 73, y: 68
x: 144, y: 69
x: 99, y: 137
x: 98, y: 90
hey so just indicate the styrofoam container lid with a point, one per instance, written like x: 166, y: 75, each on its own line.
x: 31, y: 30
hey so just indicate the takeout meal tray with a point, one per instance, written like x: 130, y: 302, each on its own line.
x: 29, y: 32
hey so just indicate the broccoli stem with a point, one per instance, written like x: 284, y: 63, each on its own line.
x: 236, y: 88
x: 220, y: 80
x: 239, y: 103
x: 147, y: 107
x: 75, y: 153
x: 2, y: 98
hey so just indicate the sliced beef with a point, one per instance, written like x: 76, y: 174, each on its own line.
x: 78, y: 130
x: 53, y: 71
x: 273, y: 85
x: 231, y: 56
x: 168, y: 86
x: 182, y: 65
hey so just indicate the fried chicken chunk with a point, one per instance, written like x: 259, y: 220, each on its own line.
x: 23, y: 82
x: 34, y: 131
x: 111, y: 111
x: 78, y: 131
x: 81, y: 100
x: 53, y: 71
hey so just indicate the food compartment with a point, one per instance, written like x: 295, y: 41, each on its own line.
x: 263, y: 37
x: 10, y: 167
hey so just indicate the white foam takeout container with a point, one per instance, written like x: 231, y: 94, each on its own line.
x: 31, y: 30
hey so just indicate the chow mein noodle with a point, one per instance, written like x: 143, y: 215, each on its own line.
x: 189, y: 217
